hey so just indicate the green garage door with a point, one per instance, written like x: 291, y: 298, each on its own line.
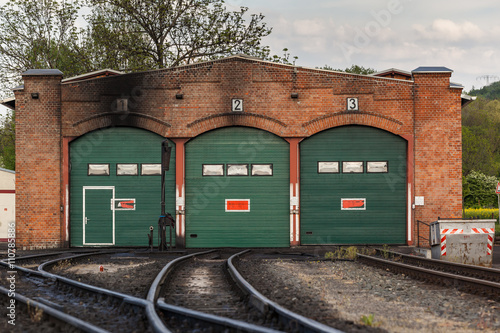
x: 115, y: 187
x: 353, y: 187
x: 237, y: 189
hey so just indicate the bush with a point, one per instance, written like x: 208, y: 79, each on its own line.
x: 479, y: 191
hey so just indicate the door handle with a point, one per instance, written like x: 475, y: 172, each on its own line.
x: 86, y: 219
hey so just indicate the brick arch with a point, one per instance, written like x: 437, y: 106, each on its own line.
x: 350, y: 118
x: 129, y: 119
x: 231, y: 119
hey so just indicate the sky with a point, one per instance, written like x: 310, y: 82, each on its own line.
x: 381, y: 34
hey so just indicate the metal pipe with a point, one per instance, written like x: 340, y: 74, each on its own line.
x: 165, y: 163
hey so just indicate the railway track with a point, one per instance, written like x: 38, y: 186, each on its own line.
x: 75, y: 306
x: 103, y: 309
x: 196, y: 284
x: 472, y: 279
x: 180, y: 319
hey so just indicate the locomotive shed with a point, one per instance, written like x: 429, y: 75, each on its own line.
x: 263, y: 155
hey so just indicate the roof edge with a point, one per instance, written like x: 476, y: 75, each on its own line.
x: 9, y: 103
x: 431, y: 69
x: 42, y: 72
x: 93, y: 74
x: 390, y: 70
x: 7, y: 170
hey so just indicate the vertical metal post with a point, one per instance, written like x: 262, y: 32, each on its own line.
x: 498, y: 194
x: 162, y: 223
x: 418, y: 233
x: 150, y: 236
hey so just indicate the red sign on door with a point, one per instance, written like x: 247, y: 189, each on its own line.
x: 124, y: 204
x: 237, y: 205
x: 353, y: 204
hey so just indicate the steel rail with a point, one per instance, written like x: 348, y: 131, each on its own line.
x: 473, y: 284
x: 80, y: 285
x: 154, y: 320
x: 290, y: 319
x: 54, y: 313
x: 217, y: 323
x: 41, y: 255
x: 42, y: 266
x: 479, y: 272
x: 123, y: 298
x: 147, y: 304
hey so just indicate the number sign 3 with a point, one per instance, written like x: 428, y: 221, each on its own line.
x: 237, y: 105
x: 352, y: 104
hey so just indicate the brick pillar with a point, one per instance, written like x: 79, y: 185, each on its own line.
x: 38, y: 160
x: 438, y: 146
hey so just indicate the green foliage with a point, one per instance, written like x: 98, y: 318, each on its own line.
x: 491, y: 91
x: 142, y: 35
x: 385, y: 251
x: 481, y: 213
x: 479, y: 190
x: 370, y: 321
x: 342, y: 253
x: 481, y: 137
x: 38, y: 34
x: 8, y: 142
x: 128, y: 35
x: 354, y: 69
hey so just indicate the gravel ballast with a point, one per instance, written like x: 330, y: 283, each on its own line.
x: 341, y: 293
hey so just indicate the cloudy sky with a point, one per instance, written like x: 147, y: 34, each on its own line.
x: 462, y: 35
x: 405, y: 34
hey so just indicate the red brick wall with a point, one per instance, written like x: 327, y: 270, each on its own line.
x: 426, y: 109
x: 438, y: 149
x: 208, y: 89
x: 38, y: 167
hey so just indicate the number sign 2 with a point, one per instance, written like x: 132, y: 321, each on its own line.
x: 352, y: 104
x: 237, y: 105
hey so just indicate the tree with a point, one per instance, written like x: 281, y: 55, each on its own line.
x: 476, y: 153
x: 38, y: 34
x: 146, y: 34
x: 491, y: 91
x: 354, y: 69
x: 7, y: 142
x: 129, y: 35
x: 481, y: 137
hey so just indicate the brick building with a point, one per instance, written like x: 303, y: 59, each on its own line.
x: 264, y: 154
